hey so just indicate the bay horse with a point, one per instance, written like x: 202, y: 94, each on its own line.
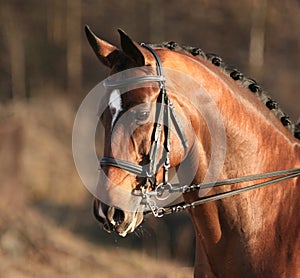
x: 239, y: 232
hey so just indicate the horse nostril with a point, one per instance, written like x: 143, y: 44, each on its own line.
x: 119, y: 216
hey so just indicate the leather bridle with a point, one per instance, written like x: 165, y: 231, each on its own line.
x: 165, y: 114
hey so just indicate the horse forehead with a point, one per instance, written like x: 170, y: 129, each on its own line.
x: 137, y: 96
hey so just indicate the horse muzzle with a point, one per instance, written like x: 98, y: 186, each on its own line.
x: 117, y: 220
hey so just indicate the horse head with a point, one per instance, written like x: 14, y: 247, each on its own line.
x: 139, y: 140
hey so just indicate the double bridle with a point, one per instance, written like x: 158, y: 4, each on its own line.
x: 165, y: 114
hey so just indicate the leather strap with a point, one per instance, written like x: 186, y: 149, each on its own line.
x: 125, y: 165
x: 133, y: 80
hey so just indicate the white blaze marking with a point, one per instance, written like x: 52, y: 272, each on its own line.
x: 115, y: 105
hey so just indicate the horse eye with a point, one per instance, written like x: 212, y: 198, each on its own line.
x: 141, y: 116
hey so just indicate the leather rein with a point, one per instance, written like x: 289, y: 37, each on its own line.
x: 165, y: 114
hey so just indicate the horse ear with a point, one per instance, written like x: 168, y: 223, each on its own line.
x: 131, y: 48
x: 106, y: 52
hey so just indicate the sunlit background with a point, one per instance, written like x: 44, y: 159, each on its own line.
x: 47, y: 67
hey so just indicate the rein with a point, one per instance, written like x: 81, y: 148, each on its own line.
x: 278, y: 176
x: 165, y: 114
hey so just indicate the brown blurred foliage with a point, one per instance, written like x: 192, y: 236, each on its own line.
x: 43, y: 45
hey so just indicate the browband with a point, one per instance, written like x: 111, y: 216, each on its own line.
x: 133, y: 80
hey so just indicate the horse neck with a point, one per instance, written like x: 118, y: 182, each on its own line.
x: 256, y: 143
x: 255, y: 138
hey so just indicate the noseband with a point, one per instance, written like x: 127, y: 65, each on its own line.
x: 165, y: 114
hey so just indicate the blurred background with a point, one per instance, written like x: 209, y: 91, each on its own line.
x: 46, y: 69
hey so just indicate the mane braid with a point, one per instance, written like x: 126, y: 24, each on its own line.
x: 242, y: 80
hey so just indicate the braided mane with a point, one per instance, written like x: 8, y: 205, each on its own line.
x: 244, y: 81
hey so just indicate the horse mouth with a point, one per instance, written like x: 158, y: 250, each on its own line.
x: 116, y: 220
